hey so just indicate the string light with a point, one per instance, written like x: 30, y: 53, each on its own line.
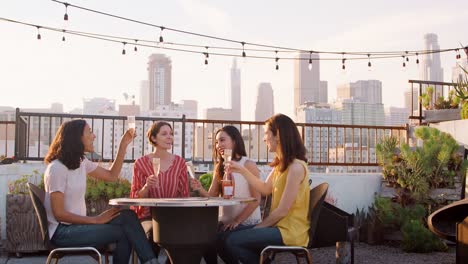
x: 135, y: 48
x: 63, y: 37
x: 369, y: 63
x: 417, y: 58
x: 38, y: 32
x: 407, y: 59
x: 310, y: 60
x: 457, y: 56
x: 65, y: 17
x: 343, y: 62
x: 123, y: 50
x: 206, y: 56
x: 161, y: 39
x: 243, y: 49
x: 276, y: 60
x: 404, y: 64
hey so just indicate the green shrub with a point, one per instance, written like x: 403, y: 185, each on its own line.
x: 417, y: 238
x: 97, y: 189
x: 206, y: 180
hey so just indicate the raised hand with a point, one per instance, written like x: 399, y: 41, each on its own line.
x: 128, y: 137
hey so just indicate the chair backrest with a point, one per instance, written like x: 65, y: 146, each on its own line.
x: 317, y: 196
x: 37, y: 197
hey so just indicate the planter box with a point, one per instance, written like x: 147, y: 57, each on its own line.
x: 22, y: 228
x: 436, y: 116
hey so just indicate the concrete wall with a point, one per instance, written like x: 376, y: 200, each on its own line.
x: 350, y: 191
x: 458, y: 129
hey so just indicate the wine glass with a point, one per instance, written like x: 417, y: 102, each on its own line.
x: 132, y: 125
x: 190, y: 169
x: 156, y: 167
x: 227, y: 155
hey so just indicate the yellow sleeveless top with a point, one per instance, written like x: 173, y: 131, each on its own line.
x: 294, y: 227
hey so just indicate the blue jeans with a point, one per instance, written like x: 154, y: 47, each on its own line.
x: 211, y: 256
x: 246, y: 244
x: 125, y: 230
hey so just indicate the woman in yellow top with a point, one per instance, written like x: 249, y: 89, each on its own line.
x: 287, y: 223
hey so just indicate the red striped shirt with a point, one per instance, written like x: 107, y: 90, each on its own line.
x: 173, y: 182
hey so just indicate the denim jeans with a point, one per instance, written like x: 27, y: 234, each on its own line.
x: 246, y: 244
x: 125, y: 230
x: 211, y: 256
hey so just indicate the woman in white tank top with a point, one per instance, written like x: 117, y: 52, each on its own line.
x: 231, y: 217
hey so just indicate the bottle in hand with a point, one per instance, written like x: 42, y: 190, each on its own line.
x: 228, y: 186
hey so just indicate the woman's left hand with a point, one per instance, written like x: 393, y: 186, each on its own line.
x: 230, y: 226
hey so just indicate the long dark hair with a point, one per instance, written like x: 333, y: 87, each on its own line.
x: 67, y: 145
x: 290, y: 145
x: 154, y: 130
x: 237, y: 152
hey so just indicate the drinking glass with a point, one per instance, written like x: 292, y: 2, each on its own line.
x: 156, y: 168
x: 227, y: 155
x: 190, y: 169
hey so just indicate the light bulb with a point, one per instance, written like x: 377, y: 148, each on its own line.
x: 310, y: 64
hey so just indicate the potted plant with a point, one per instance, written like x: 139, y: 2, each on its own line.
x: 442, y: 109
x: 22, y: 229
x: 98, y: 194
x: 462, y: 93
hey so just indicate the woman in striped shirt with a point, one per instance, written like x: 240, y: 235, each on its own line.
x: 171, y: 182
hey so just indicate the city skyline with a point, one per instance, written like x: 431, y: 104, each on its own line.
x: 50, y: 71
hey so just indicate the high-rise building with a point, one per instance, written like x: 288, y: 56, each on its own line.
x: 431, y: 69
x: 160, y: 80
x: 144, y: 95
x: 457, y: 73
x: 306, y: 81
x: 235, y: 91
x: 366, y: 91
x: 265, y: 104
x: 396, y: 116
x: 323, y: 92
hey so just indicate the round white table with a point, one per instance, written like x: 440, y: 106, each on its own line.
x: 185, y: 227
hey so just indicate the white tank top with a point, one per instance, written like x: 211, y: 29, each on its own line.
x: 241, y: 190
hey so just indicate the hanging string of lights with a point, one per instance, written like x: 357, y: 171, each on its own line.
x: 243, y: 44
x: 173, y: 47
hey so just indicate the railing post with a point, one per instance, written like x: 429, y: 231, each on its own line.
x: 16, y: 133
x: 183, y: 136
x: 420, y: 104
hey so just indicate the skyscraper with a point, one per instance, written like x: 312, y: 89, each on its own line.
x: 306, y: 82
x: 431, y: 69
x: 160, y: 80
x: 366, y: 91
x: 265, y: 105
x: 235, y: 91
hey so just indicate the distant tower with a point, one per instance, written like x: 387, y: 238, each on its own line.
x: 160, y: 80
x: 306, y: 82
x: 235, y: 91
x: 265, y: 103
x: 431, y: 69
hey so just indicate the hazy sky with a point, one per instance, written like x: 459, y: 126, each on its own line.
x: 36, y: 73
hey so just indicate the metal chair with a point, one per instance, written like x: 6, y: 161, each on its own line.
x: 317, y: 196
x: 37, y: 196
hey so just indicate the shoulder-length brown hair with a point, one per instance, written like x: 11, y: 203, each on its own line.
x: 290, y: 145
x: 154, y: 130
x: 67, y: 145
x: 238, y: 149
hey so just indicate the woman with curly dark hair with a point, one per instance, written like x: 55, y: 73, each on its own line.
x: 65, y: 187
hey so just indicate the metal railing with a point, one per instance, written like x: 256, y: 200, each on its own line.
x: 326, y: 144
x: 7, y: 138
x: 441, y: 89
